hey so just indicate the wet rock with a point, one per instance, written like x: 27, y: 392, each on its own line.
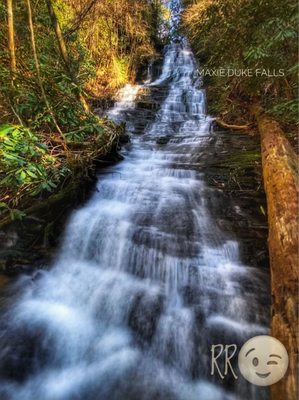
x: 190, y: 294
x: 9, y: 238
x: 16, y: 269
x: 145, y: 313
x: 162, y: 140
x: 124, y: 138
x: 23, y: 351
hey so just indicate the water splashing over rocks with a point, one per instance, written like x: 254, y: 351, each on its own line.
x: 145, y: 281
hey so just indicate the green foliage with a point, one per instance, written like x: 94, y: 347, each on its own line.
x: 286, y: 110
x: 90, y: 126
x: 25, y: 161
x: 106, y: 42
x: 248, y: 34
x: 120, y: 68
x: 105, y: 46
x: 14, y: 213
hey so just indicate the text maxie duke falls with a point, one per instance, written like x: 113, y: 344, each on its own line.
x: 248, y: 72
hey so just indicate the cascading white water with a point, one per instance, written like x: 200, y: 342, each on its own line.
x: 145, y: 281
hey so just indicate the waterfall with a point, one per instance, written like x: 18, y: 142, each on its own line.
x: 145, y: 281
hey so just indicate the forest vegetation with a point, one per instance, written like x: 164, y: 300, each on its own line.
x: 257, y: 35
x: 57, y: 58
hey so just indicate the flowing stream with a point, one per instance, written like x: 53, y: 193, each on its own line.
x: 145, y: 281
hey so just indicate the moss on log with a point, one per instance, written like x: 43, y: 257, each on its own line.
x: 280, y: 173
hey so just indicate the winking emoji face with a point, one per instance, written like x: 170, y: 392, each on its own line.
x: 263, y: 360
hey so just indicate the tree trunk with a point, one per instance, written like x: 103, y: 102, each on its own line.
x: 39, y: 78
x: 11, y: 40
x: 63, y: 50
x: 280, y: 172
x: 59, y: 37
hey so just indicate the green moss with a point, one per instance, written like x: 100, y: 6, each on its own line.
x: 244, y: 159
x: 240, y: 171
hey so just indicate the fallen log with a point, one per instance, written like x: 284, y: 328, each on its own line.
x: 280, y: 173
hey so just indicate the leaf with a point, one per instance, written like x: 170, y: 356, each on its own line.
x: 4, y: 129
x: 42, y: 146
x: 262, y: 210
x: 17, y: 214
x: 31, y: 174
x: 11, y: 157
x: 294, y: 68
x: 52, y: 184
x: 36, y: 191
x: 23, y: 175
